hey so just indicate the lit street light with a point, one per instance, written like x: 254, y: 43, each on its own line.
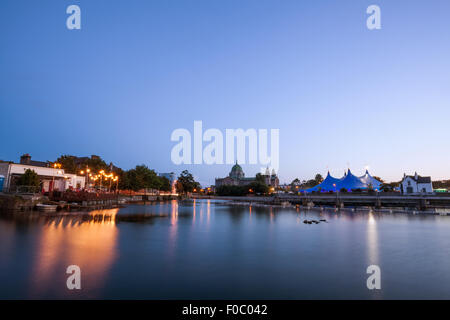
x: 55, y: 166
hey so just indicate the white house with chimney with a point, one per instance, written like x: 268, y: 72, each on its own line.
x: 416, y: 184
x: 51, y: 179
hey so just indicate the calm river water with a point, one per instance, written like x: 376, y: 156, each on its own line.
x: 210, y: 250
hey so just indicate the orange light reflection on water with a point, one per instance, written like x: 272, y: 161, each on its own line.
x: 173, y: 228
x: 372, y: 239
x: 89, y: 244
x: 208, y: 211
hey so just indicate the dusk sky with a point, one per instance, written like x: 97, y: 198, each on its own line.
x: 340, y: 94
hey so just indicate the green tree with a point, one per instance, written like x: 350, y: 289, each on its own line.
x: 308, y: 184
x: 232, y: 190
x: 67, y: 163
x: 388, y: 187
x: 179, y: 187
x: 258, y: 187
x: 147, y: 177
x: 260, y: 178
x: 29, y: 178
x: 141, y: 177
x: 252, y: 188
x: 96, y: 164
x: 186, y: 182
x: 318, y: 178
x: 132, y: 180
x: 165, y: 184
x: 124, y: 181
x: 379, y: 179
x: 295, y: 184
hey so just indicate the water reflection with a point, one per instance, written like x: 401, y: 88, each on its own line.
x: 68, y: 240
x: 208, y: 211
x: 173, y: 227
x: 173, y: 212
x: 372, y: 239
x: 228, y: 255
x: 271, y: 215
x: 236, y: 213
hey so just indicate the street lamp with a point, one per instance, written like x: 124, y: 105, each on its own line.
x: 117, y: 183
x: 106, y: 179
x: 87, y: 176
x: 56, y: 165
x: 82, y: 173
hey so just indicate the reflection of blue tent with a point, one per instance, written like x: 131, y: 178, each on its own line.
x: 348, y: 181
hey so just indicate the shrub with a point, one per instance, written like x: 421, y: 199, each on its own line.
x: 29, y: 178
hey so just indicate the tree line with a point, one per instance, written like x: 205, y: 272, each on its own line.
x: 256, y: 187
x: 138, y: 178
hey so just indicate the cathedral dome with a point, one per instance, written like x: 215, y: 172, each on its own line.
x: 236, y: 172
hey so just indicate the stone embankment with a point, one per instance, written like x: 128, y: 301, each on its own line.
x: 13, y: 202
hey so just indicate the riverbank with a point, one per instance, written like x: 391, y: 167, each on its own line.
x: 388, y: 203
x: 391, y: 210
x: 72, y: 202
x: 433, y: 204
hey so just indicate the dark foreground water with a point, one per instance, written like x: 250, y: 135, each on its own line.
x: 208, y: 250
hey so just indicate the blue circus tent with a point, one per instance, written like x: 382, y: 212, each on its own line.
x: 328, y: 184
x: 349, y: 181
x: 369, y: 180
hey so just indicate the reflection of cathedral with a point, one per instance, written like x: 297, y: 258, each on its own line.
x: 237, y: 178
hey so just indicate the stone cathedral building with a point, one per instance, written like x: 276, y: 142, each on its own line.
x: 236, y: 177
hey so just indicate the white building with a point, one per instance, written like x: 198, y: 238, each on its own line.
x: 51, y: 179
x: 416, y: 184
x: 74, y: 182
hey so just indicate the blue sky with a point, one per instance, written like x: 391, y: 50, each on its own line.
x: 340, y: 94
